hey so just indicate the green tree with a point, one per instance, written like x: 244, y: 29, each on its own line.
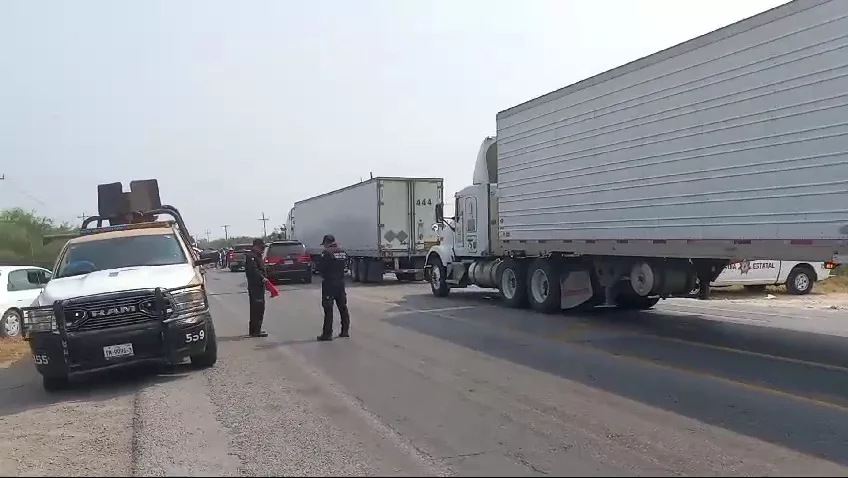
x: 21, y: 238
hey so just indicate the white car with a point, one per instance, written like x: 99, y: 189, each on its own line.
x: 798, y: 277
x: 19, y: 287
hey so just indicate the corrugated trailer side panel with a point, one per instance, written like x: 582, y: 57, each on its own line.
x: 351, y: 214
x: 739, y: 134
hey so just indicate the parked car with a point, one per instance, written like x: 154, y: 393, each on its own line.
x: 288, y: 260
x: 798, y: 277
x: 19, y: 287
x: 236, y: 258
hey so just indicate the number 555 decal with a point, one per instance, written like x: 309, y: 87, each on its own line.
x: 41, y: 359
x: 195, y: 337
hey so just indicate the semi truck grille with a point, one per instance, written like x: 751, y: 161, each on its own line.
x: 85, y: 315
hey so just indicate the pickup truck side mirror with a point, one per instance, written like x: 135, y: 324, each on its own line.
x: 208, y: 257
x: 440, y: 213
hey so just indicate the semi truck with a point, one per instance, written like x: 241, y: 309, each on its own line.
x: 384, y: 224
x: 646, y: 181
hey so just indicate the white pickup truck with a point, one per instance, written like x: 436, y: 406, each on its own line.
x: 798, y: 277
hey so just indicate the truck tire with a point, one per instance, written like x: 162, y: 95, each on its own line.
x: 438, y: 278
x: 354, y: 270
x: 55, y: 383
x: 512, y: 284
x: 543, y: 286
x: 800, y: 280
x: 635, y: 302
x: 363, y: 271
x: 210, y: 355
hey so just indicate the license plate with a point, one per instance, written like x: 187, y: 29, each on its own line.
x: 118, y: 351
x: 288, y: 262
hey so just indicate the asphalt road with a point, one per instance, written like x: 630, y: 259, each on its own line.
x: 457, y: 386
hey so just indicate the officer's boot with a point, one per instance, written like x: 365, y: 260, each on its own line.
x: 345, y: 320
x: 327, y: 329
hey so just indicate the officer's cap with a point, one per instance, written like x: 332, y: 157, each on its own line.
x: 328, y: 239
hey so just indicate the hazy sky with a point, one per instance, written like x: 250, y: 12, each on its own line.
x: 240, y: 108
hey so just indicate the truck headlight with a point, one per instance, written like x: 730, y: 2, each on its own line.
x: 39, y: 319
x: 188, y: 301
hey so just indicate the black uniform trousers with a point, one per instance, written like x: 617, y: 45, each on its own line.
x: 334, y: 293
x: 257, y: 311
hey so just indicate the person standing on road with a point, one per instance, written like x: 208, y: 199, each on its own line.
x: 331, y: 266
x: 254, y: 269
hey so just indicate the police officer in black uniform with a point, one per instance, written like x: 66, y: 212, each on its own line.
x: 254, y: 269
x: 331, y: 266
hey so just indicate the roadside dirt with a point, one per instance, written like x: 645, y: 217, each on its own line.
x: 12, y: 350
x: 831, y: 293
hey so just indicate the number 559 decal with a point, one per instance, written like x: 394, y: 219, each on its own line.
x: 195, y: 337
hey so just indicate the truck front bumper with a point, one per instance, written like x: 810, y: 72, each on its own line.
x: 62, y: 355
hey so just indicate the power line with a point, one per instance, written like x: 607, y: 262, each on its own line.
x: 264, y: 222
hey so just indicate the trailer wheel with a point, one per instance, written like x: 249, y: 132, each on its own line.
x: 364, y: 266
x: 354, y: 270
x: 512, y: 284
x: 543, y: 286
x: 439, y: 278
x: 800, y: 280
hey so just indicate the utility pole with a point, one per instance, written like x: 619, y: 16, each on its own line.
x: 264, y: 222
x: 82, y: 217
x: 207, y: 233
x: 226, y: 237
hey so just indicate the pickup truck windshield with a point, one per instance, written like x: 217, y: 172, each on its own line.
x: 118, y: 252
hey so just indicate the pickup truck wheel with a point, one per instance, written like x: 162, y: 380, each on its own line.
x: 438, y: 278
x: 54, y: 384
x: 543, y: 287
x: 10, y: 323
x: 800, y: 281
x: 210, y: 355
x: 513, y: 284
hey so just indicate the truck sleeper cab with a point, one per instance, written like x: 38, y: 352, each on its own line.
x: 121, y: 295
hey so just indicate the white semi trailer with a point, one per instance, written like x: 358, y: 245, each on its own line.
x: 642, y: 182
x: 384, y: 224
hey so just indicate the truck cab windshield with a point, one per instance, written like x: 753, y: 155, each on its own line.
x: 119, y: 252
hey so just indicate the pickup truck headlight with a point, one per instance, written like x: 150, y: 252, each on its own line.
x: 39, y: 319
x: 188, y: 301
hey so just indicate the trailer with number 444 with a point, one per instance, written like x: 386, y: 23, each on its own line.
x: 384, y: 224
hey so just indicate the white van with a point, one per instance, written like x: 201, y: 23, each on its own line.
x: 798, y: 277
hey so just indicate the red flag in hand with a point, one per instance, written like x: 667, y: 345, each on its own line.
x: 270, y: 288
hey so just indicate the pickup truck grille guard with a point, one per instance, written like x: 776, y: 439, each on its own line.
x: 113, y: 310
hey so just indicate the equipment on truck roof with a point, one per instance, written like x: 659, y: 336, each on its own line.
x: 137, y: 208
